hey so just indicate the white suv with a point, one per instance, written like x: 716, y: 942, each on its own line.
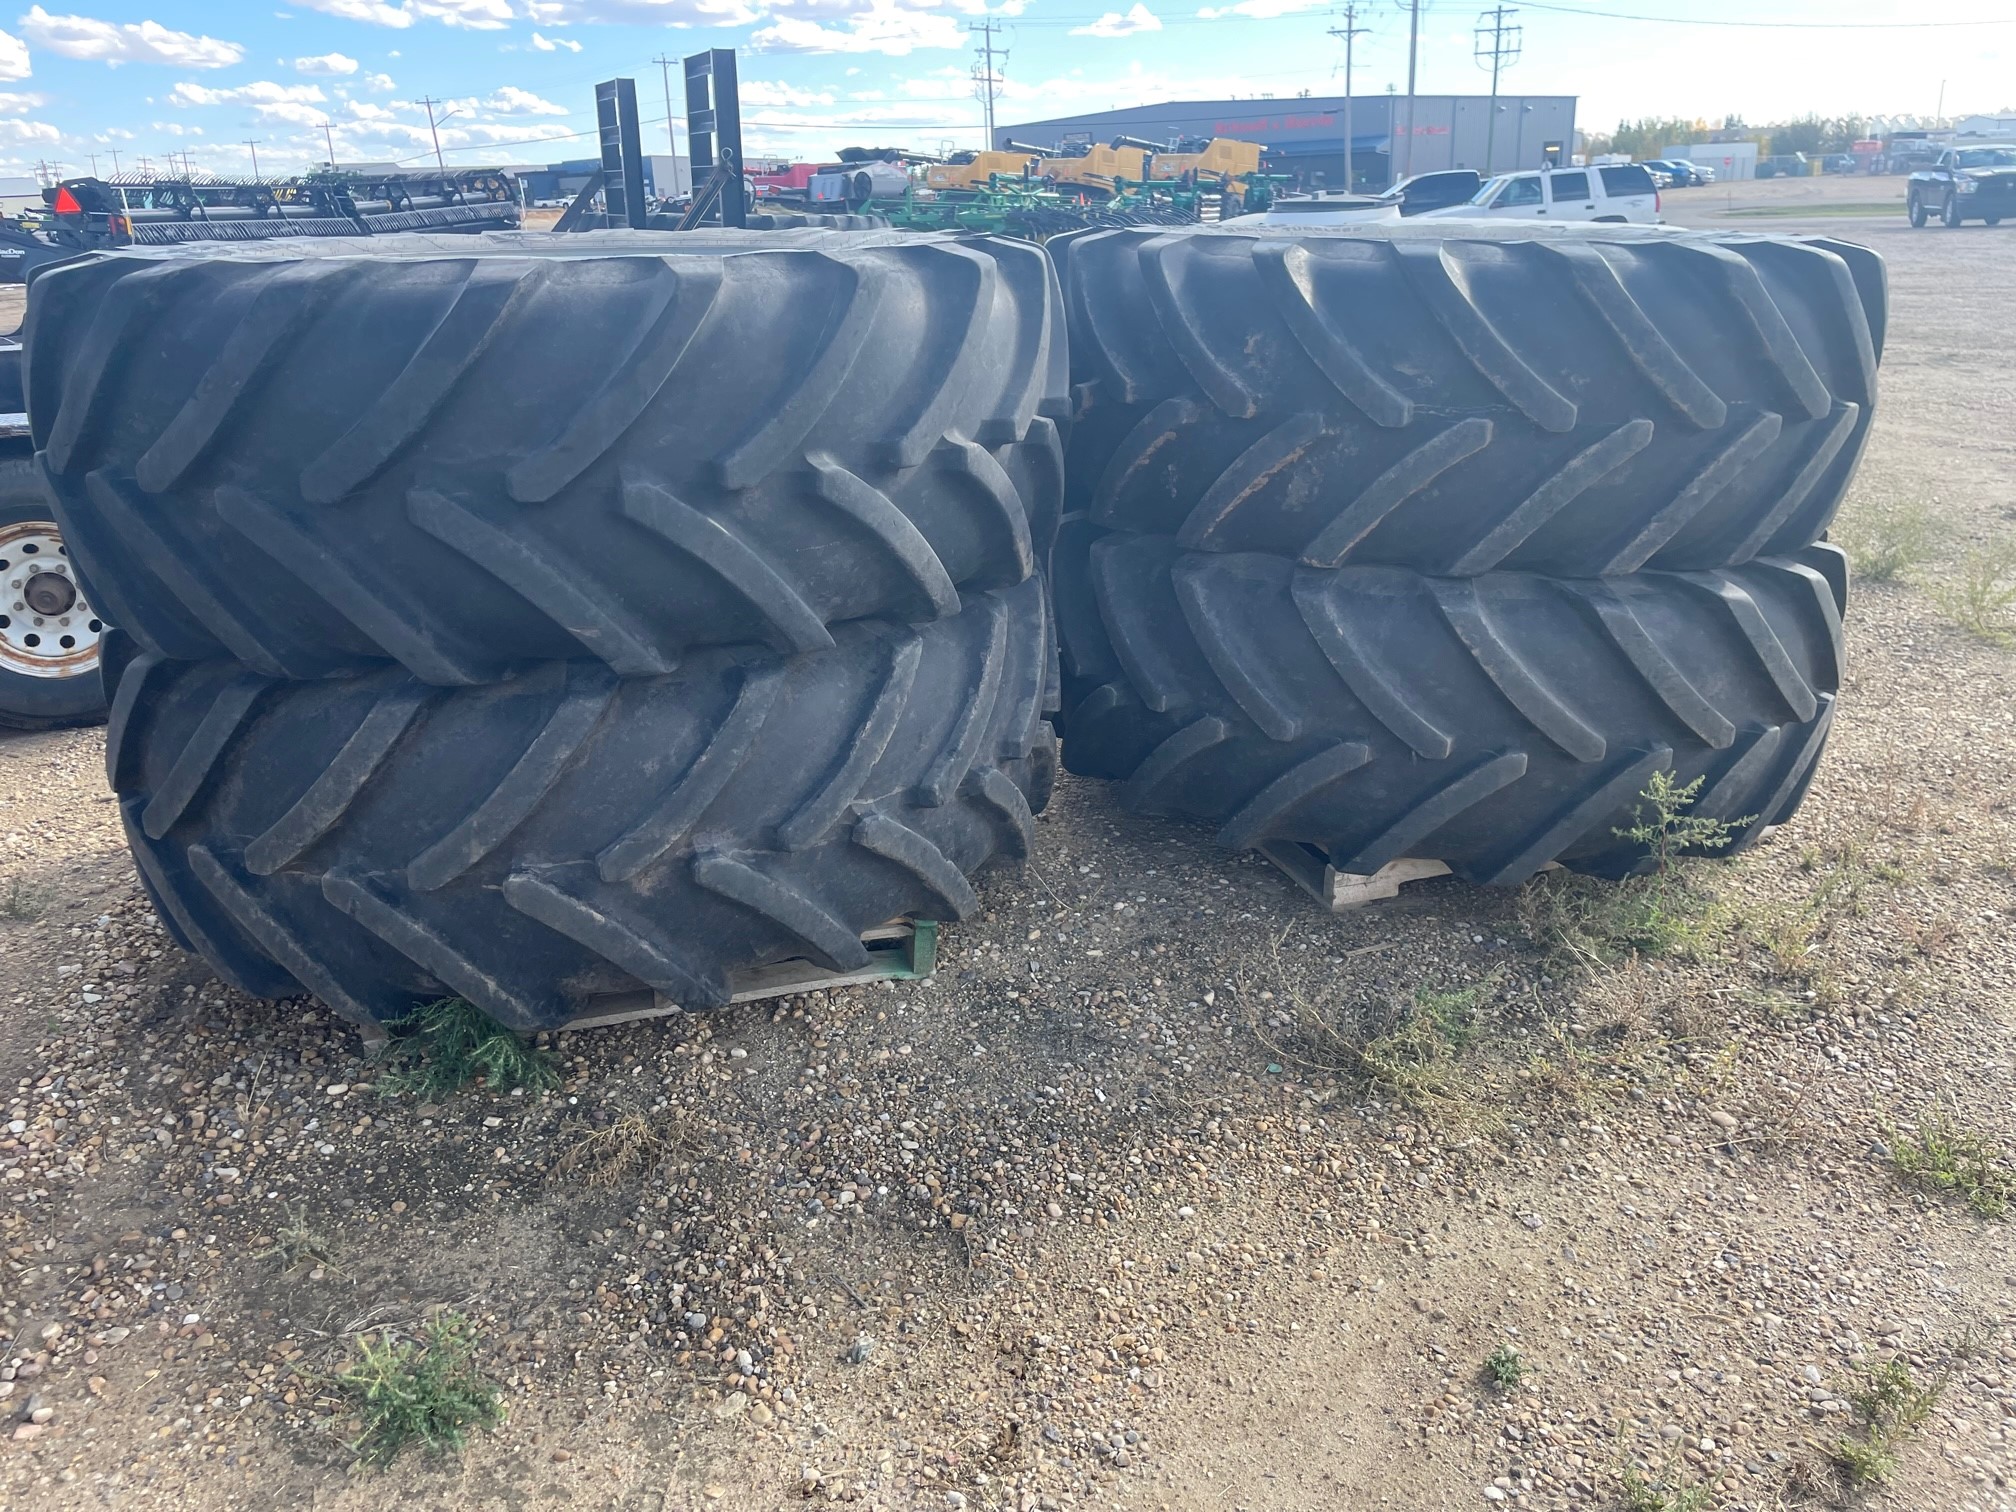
x: 1618, y: 192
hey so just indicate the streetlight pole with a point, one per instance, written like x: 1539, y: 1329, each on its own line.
x: 671, y: 138
x: 254, y: 145
x: 1349, y: 30
x: 1413, y: 57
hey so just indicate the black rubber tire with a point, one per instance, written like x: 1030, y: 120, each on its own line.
x: 1949, y: 213
x: 29, y: 702
x: 531, y: 844
x: 1496, y: 723
x: 1915, y: 207
x: 1576, y: 400
x: 469, y: 455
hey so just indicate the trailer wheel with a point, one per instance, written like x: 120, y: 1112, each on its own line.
x: 49, y: 631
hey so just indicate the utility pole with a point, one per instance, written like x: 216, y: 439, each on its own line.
x: 1497, y: 47
x: 665, y: 72
x: 254, y: 145
x: 1347, y: 31
x: 94, y: 164
x: 329, y: 136
x: 115, y: 162
x: 1413, y: 56
x: 433, y: 132
x: 989, y: 82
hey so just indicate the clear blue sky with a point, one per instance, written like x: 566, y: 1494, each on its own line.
x: 147, y: 77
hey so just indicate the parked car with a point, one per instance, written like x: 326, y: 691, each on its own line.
x: 1619, y: 192
x: 1677, y: 172
x: 1783, y: 165
x: 1963, y: 184
x: 1410, y: 197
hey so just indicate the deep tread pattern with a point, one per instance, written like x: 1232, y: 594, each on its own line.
x: 1577, y: 401
x: 469, y: 455
x: 1496, y: 723
x: 536, y: 842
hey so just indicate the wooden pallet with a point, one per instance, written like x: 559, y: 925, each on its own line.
x: 900, y: 951
x: 1308, y: 866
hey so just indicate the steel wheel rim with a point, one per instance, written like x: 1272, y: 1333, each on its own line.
x: 47, y: 627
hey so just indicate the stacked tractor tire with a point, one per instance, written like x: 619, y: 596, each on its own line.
x: 1440, y: 543
x: 529, y: 619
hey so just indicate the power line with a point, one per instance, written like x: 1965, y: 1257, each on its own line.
x: 984, y: 76
x: 1496, y: 48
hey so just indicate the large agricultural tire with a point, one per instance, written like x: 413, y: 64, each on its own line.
x: 49, y: 632
x: 473, y: 453
x: 1496, y: 723
x: 537, y: 842
x: 1581, y: 401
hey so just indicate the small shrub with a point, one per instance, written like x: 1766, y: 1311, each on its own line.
x: 1503, y: 1367
x: 24, y: 901
x: 1891, y: 1404
x: 445, y: 1046
x: 1664, y: 822
x: 1885, y: 543
x: 1943, y: 1157
x: 1638, y: 1493
x: 297, y: 1245
x: 1981, y: 600
x: 426, y: 1392
x: 606, y: 1158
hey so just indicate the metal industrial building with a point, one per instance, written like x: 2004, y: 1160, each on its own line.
x: 1306, y: 136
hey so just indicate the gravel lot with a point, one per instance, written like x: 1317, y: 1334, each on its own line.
x: 1092, y: 1219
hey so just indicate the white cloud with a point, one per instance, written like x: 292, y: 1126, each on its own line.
x: 476, y: 15
x: 554, y: 44
x: 680, y: 13
x: 763, y: 92
x: 10, y: 100
x: 884, y: 27
x: 326, y: 64
x: 373, y: 11
x: 511, y: 100
x: 1261, y: 10
x: 16, y: 132
x: 300, y: 115
x: 381, y: 83
x: 1113, y: 24
x: 264, y: 92
x: 14, y: 62
x: 115, y: 43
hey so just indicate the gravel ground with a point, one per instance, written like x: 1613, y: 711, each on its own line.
x: 1102, y: 1215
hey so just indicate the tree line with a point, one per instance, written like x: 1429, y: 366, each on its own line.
x: 1812, y: 135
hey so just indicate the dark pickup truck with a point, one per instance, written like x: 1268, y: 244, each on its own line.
x: 1963, y: 184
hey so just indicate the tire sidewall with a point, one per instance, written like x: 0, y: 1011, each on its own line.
x: 40, y: 703
x: 1916, y: 209
x: 1950, y: 215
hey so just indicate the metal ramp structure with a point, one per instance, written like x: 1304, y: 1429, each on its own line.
x: 614, y: 195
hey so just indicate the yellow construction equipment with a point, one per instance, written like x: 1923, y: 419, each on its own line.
x: 977, y: 171
x: 1089, y: 168
x: 1220, y: 157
